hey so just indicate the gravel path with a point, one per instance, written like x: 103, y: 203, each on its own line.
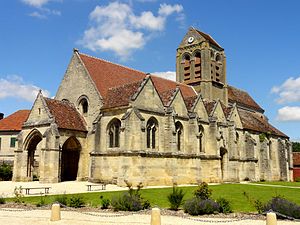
x: 42, y: 217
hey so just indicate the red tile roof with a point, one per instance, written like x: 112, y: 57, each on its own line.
x: 120, y: 96
x: 209, y: 106
x: 190, y: 101
x: 111, y: 78
x: 257, y: 122
x: 65, y: 114
x: 107, y: 75
x: 14, y: 121
x: 242, y: 98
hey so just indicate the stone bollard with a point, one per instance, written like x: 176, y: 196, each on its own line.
x: 55, y: 212
x: 155, y: 216
x: 271, y: 219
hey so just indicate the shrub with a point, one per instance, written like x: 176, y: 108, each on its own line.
x: 42, y: 201
x: 297, y: 179
x: 257, y: 204
x: 203, y: 192
x: 283, y: 206
x: 105, y: 202
x: 198, y: 206
x: 176, y: 198
x: 131, y: 200
x: 62, y: 200
x: 76, y: 202
x: 5, y: 172
x: 225, y: 206
x: 18, y: 194
x: 2, y: 200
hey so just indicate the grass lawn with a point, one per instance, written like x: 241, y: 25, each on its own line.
x: 282, y: 183
x: 232, y: 192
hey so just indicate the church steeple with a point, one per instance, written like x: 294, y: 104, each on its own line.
x: 201, y: 63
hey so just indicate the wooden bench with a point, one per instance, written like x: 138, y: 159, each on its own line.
x: 27, y: 189
x: 89, y: 186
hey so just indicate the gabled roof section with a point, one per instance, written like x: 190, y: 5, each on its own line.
x: 14, y: 121
x: 107, y: 75
x: 226, y: 110
x: 257, y: 122
x: 191, y: 101
x: 209, y: 106
x: 120, y: 96
x: 208, y: 38
x: 242, y: 99
x: 65, y: 114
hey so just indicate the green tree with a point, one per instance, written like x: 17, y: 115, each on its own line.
x: 296, y: 146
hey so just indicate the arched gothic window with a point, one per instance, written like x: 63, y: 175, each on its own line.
x: 83, y: 106
x: 270, y: 149
x: 179, y: 135
x: 201, y: 137
x: 114, y: 128
x: 152, y: 129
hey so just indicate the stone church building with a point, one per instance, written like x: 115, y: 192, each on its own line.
x: 110, y: 123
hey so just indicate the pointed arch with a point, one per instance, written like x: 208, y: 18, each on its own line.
x: 179, y: 136
x: 70, y: 155
x: 201, y: 138
x: 152, y: 133
x: 30, y: 145
x: 113, y: 133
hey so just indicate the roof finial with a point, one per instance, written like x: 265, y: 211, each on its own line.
x: 75, y: 50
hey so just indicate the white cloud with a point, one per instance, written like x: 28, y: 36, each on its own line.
x: 37, y: 15
x: 115, y: 27
x: 42, y: 12
x: 36, y: 3
x: 15, y: 86
x: 170, y: 75
x: 289, y: 113
x: 166, y: 10
x: 289, y: 91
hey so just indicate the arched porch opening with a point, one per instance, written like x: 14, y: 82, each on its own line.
x: 33, y: 140
x: 70, y: 159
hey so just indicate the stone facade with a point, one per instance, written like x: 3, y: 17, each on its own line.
x: 112, y: 123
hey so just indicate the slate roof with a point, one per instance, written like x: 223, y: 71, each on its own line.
x: 208, y: 38
x: 65, y: 114
x: 242, y: 98
x: 14, y: 121
x: 257, y: 122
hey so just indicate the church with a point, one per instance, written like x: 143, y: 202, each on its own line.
x: 110, y: 123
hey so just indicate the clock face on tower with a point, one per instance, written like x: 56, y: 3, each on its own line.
x: 190, y: 40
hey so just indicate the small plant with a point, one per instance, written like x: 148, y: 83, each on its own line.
x: 76, y: 202
x: 176, y: 198
x: 130, y: 200
x: 105, y: 202
x: 225, y: 206
x: 257, y: 204
x: 18, y: 194
x: 197, y: 206
x: 42, y: 201
x: 203, y: 192
x: 62, y: 200
x: 297, y: 179
x: 5, y: 172
x: 2, y: 200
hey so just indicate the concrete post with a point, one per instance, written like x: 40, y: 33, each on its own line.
x: 271, y: 219
x: 155, y: 216
x: 55, y: 212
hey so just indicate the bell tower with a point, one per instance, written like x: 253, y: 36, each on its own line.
x: 201, y: 63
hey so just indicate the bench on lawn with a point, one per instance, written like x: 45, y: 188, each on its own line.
x: 89, y: 186
x: 27, y: 189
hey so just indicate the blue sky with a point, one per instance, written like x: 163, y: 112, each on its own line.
x: 260, y: 38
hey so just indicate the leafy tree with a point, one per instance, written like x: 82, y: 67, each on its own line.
x: 296, y: 146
